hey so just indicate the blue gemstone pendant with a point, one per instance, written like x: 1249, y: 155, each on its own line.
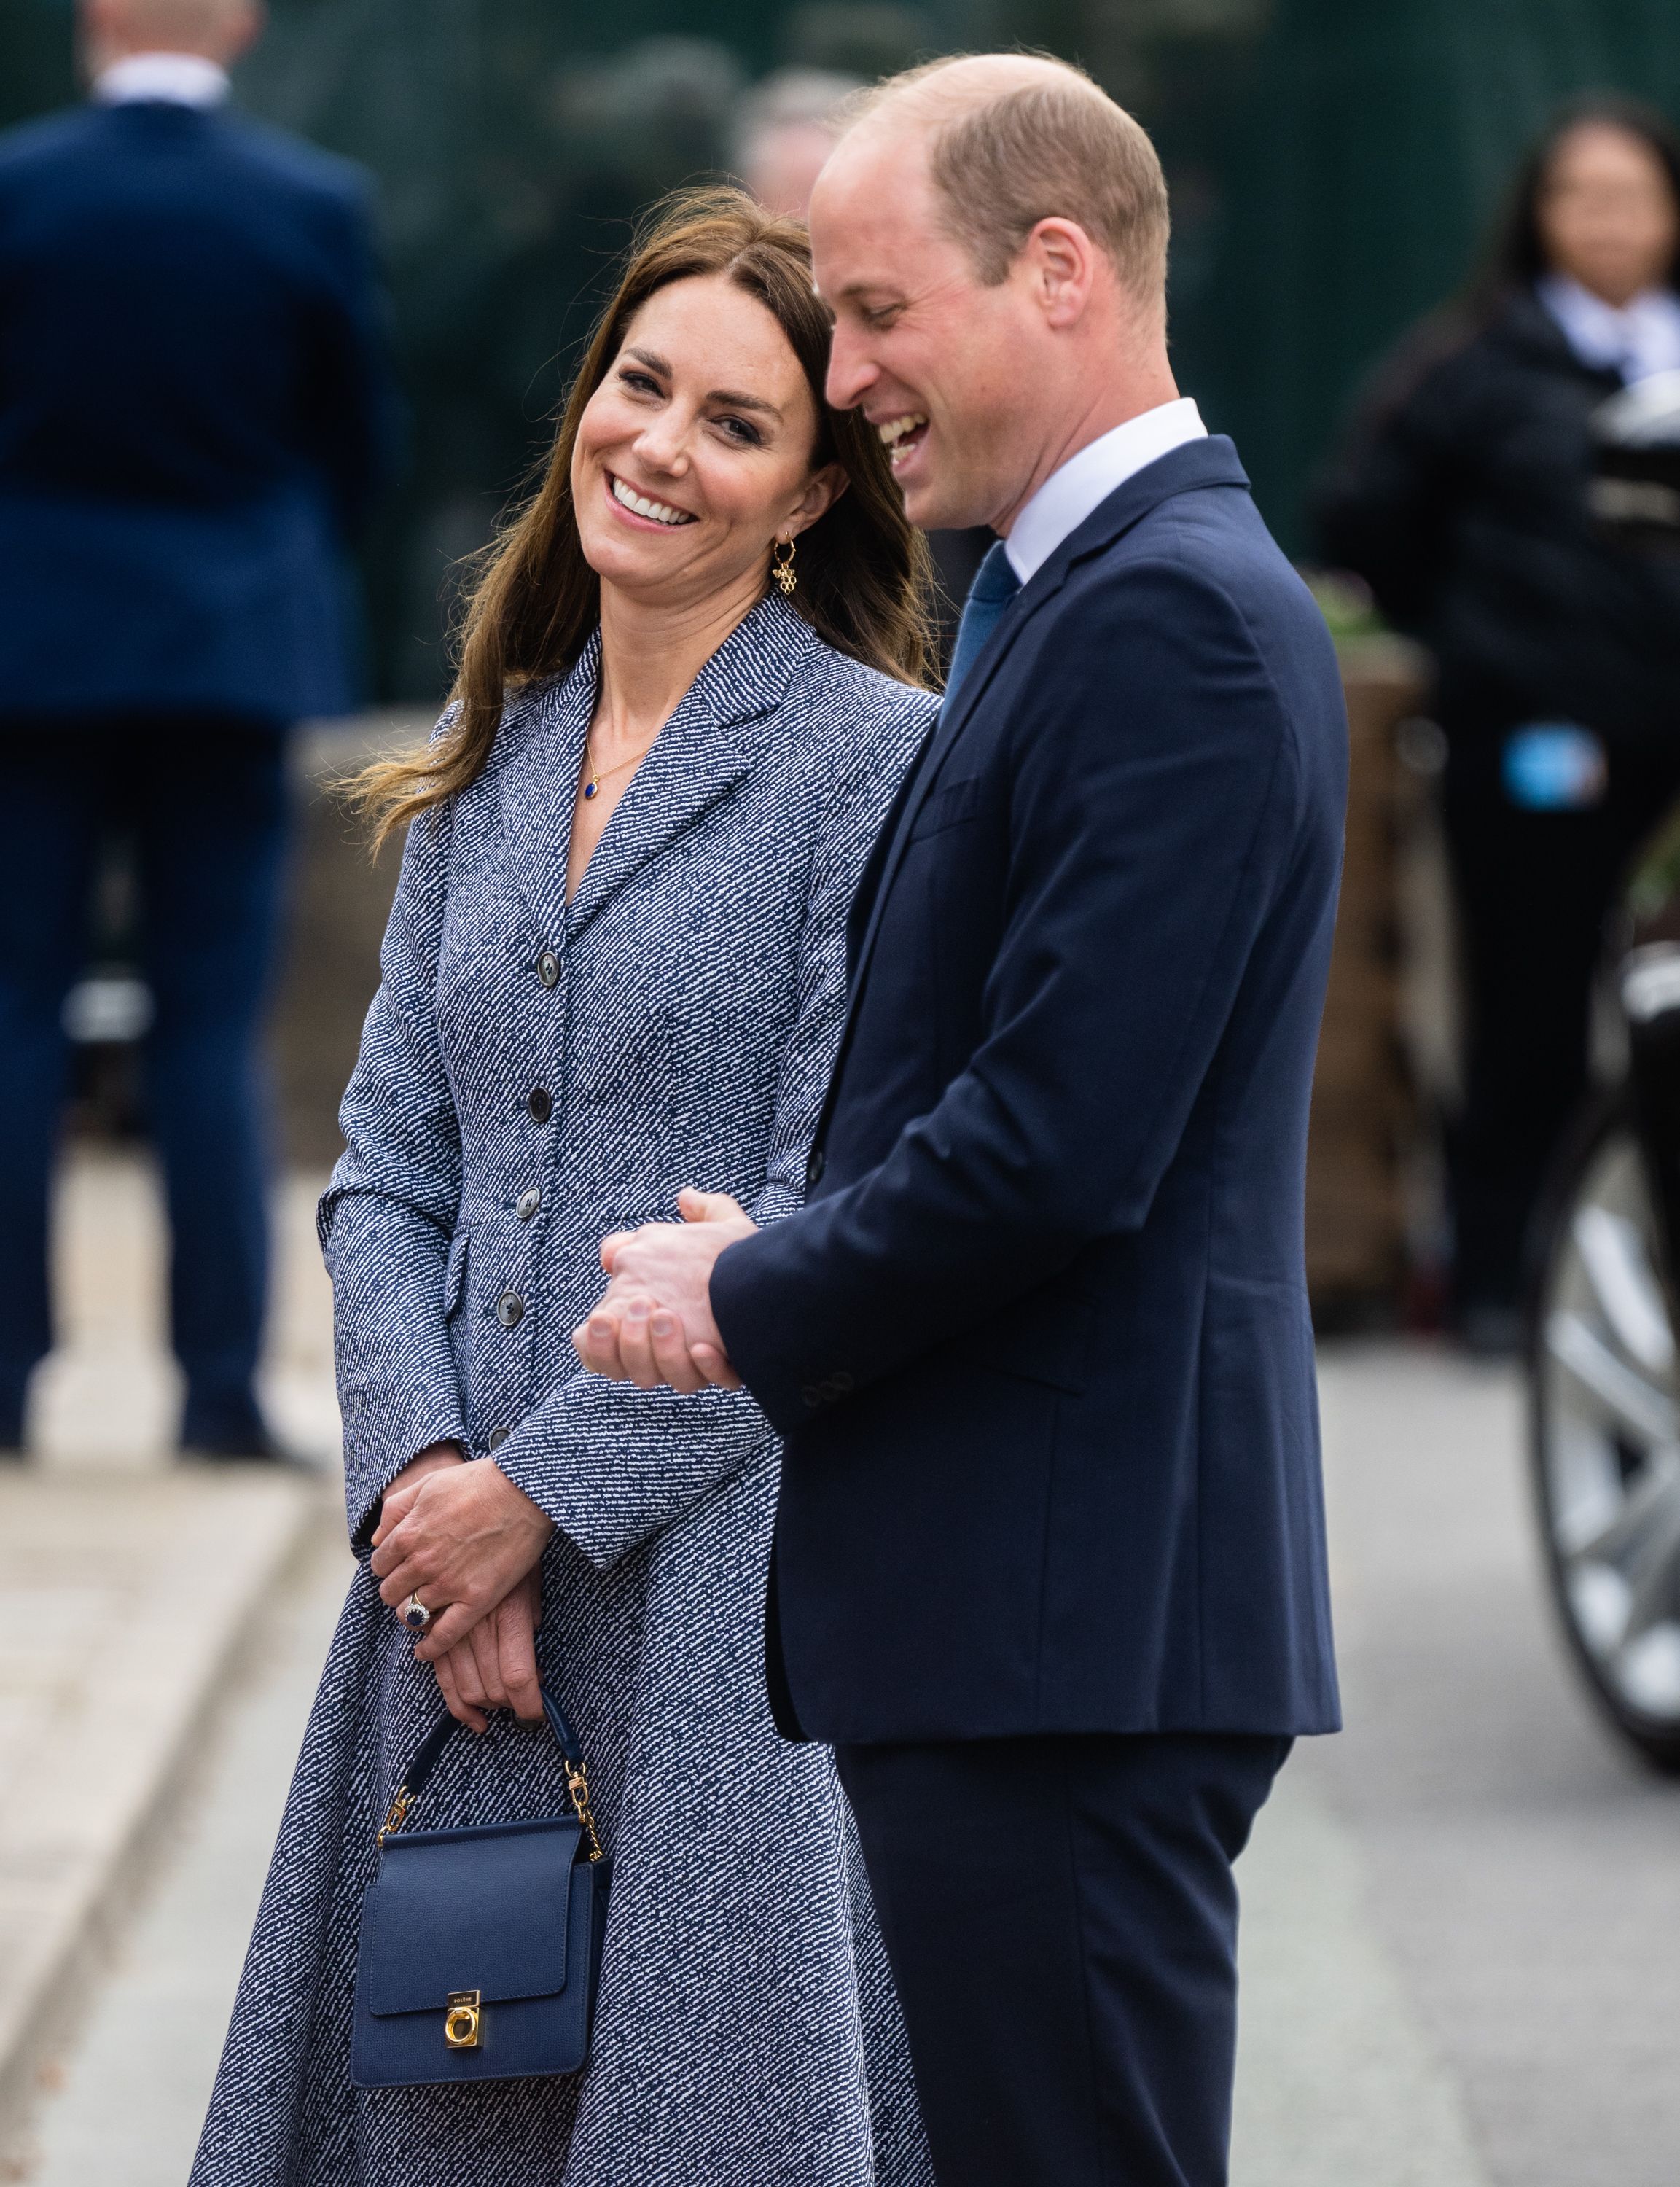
x: 590, y: 788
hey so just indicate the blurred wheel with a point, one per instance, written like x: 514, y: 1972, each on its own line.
x: 1606, y: 1435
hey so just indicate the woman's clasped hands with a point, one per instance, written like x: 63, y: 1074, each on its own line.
x: 470, y: 1544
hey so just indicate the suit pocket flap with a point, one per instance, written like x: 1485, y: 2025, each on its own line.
x: 471, y: 1909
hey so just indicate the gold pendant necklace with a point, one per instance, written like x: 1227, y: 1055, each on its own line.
x: 592, y: 787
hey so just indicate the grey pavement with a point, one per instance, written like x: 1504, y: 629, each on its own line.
x: 1460, y: 1917
x: 1519, y: 1871
x: 124, y: 2104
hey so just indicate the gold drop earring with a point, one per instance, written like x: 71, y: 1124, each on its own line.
x: 782, y: 569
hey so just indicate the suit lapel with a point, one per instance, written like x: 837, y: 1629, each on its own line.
x: 536, y: 787
x: 1197, y: 464
x: 699, y: 755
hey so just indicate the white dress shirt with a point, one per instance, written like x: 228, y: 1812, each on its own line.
x: 1086, y: 480
x: 176, y: 79
x: 1641, y: 338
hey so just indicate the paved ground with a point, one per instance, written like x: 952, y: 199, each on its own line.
x: 1520, y: 1874
x: 1459, y: 1958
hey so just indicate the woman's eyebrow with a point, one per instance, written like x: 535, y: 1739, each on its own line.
x: 743, y: 401
x: 732, y: 400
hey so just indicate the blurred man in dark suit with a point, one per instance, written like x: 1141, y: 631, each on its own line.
x: 196, y: 408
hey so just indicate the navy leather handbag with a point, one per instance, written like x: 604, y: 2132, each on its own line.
x: 480, y: 1948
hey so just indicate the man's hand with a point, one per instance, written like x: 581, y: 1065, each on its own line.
x: 655, y: 1323
x: 495, y: 1666
x: 462, y: 1539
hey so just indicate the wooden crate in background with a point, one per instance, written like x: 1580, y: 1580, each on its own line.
x: 1364, y: 1114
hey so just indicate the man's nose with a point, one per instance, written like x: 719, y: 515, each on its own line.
x: 852, y: 371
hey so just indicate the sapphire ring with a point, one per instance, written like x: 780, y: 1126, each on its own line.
x: 415, y: 1615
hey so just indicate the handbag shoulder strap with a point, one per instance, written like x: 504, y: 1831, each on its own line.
x: 426, y: 1756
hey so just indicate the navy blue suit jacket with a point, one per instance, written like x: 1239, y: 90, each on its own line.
x: 196, y: 405
x: 1038, y: 1342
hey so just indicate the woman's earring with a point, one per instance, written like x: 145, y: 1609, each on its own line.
x: 782, y: 566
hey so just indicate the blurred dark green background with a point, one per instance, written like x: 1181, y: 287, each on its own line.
x: 1332, y: 162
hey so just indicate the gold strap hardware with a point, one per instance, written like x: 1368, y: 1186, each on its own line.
x: 396, y: 1814
x: 462, y: 2019
x: 577, y: 1784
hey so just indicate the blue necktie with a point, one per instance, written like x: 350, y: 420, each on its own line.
x: 995, y: 586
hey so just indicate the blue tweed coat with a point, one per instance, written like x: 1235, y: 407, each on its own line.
x: 534, y: 1074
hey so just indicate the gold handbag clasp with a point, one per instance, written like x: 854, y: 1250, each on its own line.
x: 461, y: 2020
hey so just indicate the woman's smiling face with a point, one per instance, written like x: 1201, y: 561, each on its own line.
x: 693, y: 455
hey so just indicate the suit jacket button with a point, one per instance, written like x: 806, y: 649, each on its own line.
x: 811, y: 1395
x: 548, y: 968
x: 495, y: 1438
x: 529, y: 1203
x: 541, y: 1104
x: 510, y: 1309
x: 815, y: 1162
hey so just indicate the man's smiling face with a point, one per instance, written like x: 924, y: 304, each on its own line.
x: 939, y: 363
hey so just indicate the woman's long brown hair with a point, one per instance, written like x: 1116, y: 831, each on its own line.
x: 865, y: 577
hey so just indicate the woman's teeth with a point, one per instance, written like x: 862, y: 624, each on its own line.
x: 657, y: 510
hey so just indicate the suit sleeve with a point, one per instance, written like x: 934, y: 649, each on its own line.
x: 610, y: 1464
x: 389, y: 1213
x: 1153, y: 800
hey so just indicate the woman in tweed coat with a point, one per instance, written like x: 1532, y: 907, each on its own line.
x: 569, y: 1029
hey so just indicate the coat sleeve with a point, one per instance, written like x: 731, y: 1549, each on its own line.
x: 389, y: 1213
x: 612, y: 1464
x: 1155, y: 797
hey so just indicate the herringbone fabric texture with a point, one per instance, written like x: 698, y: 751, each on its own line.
x: 747, y: 2034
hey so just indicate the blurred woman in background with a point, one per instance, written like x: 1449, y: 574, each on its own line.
x: 1461, y: 498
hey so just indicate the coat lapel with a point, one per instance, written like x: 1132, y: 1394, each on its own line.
x: 1210, y: 462
x: 699, y: 755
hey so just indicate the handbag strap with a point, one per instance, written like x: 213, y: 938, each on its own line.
x: 426, y: 1756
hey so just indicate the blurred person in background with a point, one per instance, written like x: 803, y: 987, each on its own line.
x: 784, y: 131
x: 787, y: 127
x: 1461, y: 498
x: 196, y: 408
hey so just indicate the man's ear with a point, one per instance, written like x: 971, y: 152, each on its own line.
x: 824, y: 490
x: 1062, y: 262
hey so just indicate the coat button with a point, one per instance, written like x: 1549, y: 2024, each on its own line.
x: 510, y: 1309
x: 815, y: 1163
x: 541, y: 1104
x: 548, y: 968
x: 529, y: 1203
x: 495, y: 1438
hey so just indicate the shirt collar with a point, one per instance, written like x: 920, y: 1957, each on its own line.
x: 1086, y: 480
x: 175, y: 79
x: 1640, y: 338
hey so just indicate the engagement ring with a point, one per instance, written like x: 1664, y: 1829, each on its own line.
x: 415, y: 1615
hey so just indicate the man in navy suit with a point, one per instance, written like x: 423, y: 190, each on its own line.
x: 196, y: 407
x: 1049, y: 1566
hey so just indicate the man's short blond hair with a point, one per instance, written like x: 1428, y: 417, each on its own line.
x: 1054, y: 146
